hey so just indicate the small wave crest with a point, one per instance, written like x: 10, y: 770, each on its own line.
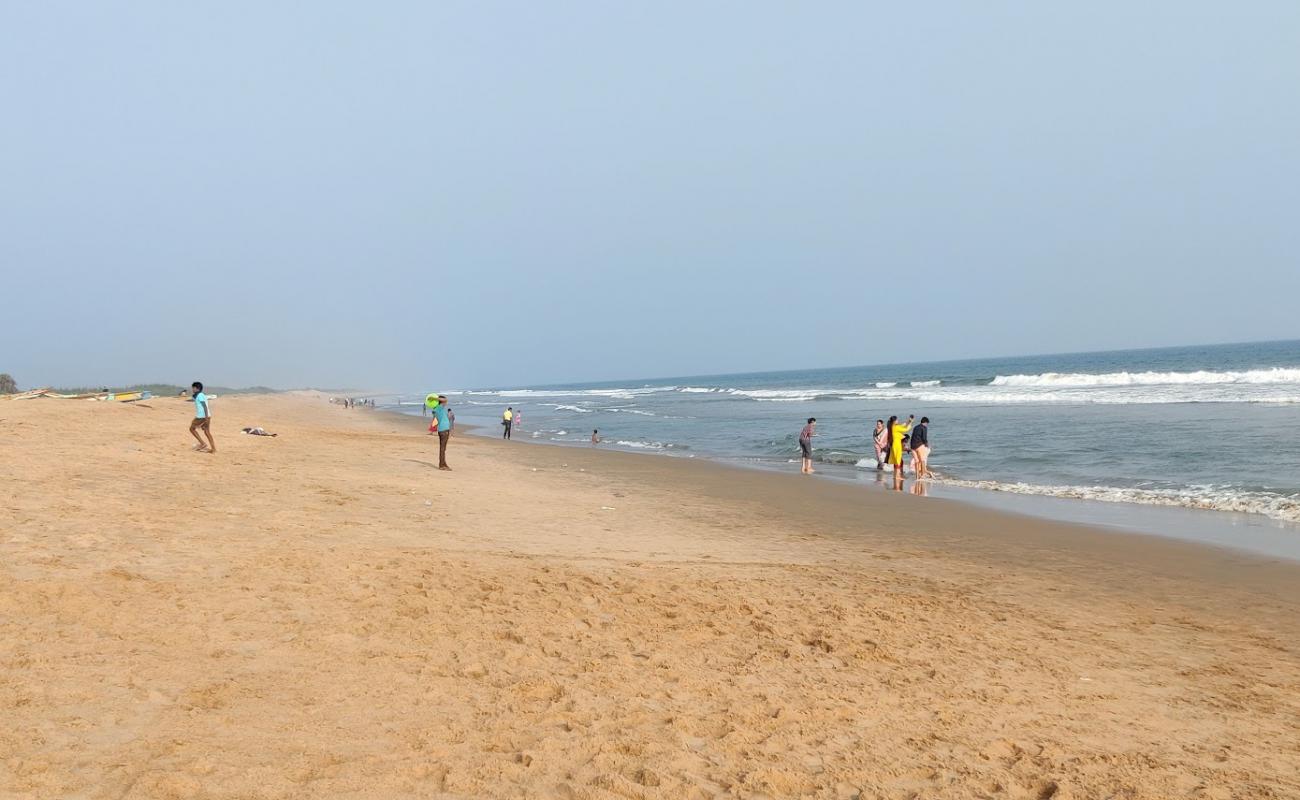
x: 617, y: 393
x: 1209, y: 498
x: 1044, y: 394
x: 564, y: 407
x: 1079, y: 380
x: 641, y: 445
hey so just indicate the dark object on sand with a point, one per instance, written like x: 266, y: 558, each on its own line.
x: 258, y: 432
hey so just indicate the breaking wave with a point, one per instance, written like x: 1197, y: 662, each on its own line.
x: 1203, y: 377
x: 1207, y: 497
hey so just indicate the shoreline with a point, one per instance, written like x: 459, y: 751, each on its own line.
x: 982, y: 532
x: 1235, y: 532
x: 1137, y: 427
x: 325, y: 613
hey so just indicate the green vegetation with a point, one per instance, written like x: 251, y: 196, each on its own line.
x: 164, y: 389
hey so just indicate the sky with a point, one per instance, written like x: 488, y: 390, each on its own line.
x: 416, y: 195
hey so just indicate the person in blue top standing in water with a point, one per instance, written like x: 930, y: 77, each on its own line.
x: 202, y: 420
x: 442, y: 415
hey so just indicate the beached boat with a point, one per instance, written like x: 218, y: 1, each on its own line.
x: 118, y: 397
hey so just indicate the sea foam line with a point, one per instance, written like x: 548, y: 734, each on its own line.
x: 1209, y: 498
x: 1086, y: 379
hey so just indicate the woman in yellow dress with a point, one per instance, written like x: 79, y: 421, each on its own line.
x: 897, y: 430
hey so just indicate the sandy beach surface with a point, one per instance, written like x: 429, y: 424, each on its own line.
x: 324, y: 614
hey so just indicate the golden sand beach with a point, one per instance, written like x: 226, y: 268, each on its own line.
x: 325, y: 615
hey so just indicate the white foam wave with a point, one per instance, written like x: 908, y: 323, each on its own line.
x: 1083, y: 379
x: 923, y: 392
x: 575, y: 409
x: 1210, y: 498
x: 642, y: 445
x: 781, y: 395
x: 1277, y: 385
x: 618, y: 393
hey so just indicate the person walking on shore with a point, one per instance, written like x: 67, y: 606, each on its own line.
x: 507, y: 420
x: 519, y: 419
x: 898, y: 430
x: 805, y: 445
x: 921, y: 448
x: 202, y: 420
x: 442, y: 415
x: 880, y: 438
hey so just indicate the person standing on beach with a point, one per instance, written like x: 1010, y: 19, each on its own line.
x: 921, y: 448
x: 202, y: 420
x: 442, y: 414
x: 880, y: 438
x: 898, y: 430
x: 507, y: 420
x: 595, y: 437
x: 519, y: 419
x: 805, y: 444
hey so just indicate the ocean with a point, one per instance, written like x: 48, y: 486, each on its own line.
x: 1213, y: 427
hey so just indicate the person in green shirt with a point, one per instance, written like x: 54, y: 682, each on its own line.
x: 442, y: 415
x: 202, y: 420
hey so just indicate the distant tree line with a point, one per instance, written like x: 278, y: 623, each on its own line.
x: 163, y: 389
x: 9, y: 386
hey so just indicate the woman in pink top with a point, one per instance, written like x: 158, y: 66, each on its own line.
x: 881, y: 437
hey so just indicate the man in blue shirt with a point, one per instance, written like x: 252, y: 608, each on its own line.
x: 441, y: 415
x: 202, y: 420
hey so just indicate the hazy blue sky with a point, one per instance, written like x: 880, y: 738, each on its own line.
x: 431, y: 194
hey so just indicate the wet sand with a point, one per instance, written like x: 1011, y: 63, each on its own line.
x: 324, y: 614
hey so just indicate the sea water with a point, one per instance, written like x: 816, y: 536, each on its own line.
x: 1213, y: 427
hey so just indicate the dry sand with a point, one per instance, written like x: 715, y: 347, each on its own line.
x: 323, y: 614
